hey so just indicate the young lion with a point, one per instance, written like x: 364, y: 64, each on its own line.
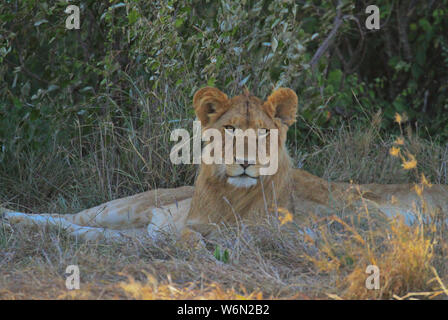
x: 227, y: 193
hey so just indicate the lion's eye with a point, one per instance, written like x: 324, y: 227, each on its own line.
x: 263, y: 132
x: 229, y: 129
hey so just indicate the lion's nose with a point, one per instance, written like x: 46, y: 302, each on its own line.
x: 243, y: 162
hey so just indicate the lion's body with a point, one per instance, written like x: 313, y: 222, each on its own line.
x: 228, y: 193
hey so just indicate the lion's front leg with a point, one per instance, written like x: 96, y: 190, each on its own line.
x: 111, y: 220
x: 56, y: 220
x: 135, y: 211
x: 143, y: 214
x: 170, y: 219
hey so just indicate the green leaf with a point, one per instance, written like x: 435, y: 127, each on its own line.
x: 179, y: 22
x: 220, y: 255
x: 133, y: 16
x: 335, y: 77
x: 424, y: 24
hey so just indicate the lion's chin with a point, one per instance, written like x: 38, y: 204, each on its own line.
x: 242, y: 181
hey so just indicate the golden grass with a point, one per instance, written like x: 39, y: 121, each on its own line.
x: 276, y: 259
x: 405, y: 254
x: 152, y: 290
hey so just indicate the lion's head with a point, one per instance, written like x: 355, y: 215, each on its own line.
x: 232, y: 117
x: 221, y: 190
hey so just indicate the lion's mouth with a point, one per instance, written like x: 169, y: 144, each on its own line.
x: 242, y: 181
x: 243, y: 175
x: 248, y: 175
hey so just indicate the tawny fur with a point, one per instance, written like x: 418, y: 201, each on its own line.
x: 214, y: 200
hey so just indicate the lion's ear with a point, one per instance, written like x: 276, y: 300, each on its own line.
x: 282, y: 104
x: 209, y: 104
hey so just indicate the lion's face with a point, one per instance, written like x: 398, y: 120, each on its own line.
x: 255, y: 123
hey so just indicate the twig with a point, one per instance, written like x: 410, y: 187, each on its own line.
x: 328, y: 41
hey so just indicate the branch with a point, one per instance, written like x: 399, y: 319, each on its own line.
x: 403, y: 15
x: 328, y: 41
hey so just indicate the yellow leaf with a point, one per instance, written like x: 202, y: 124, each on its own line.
x: 418, y: 190
x: 285, y: 217
x: 409, y: 164
x: 425, y: 182
x: 394, y: 151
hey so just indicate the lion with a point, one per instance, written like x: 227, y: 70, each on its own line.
x: 237, y: 192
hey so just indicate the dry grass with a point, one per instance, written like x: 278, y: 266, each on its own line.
x: 273, y: 260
